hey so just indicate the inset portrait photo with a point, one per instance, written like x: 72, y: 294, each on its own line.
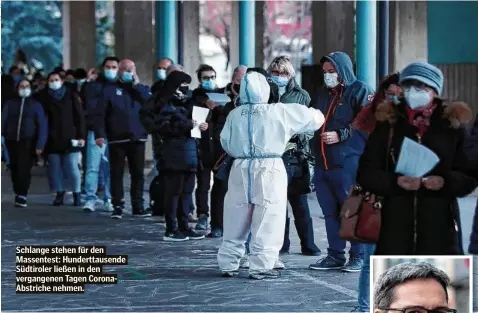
x: 432, y: 284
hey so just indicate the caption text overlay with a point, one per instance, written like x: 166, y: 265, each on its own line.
x: 63, y: 269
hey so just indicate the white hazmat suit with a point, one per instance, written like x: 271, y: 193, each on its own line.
x: 256, y: 134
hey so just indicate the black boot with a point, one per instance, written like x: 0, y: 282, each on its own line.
x: 59, y: 198
x: 305, y: 230
x: 286, y: 245
x: 76, y: 199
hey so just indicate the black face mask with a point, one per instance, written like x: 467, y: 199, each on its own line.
x: 236, y: 87
x: 184, y: 90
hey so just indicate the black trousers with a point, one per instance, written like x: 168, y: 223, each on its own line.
x: 21, y: 162
x: 301, y: 211
x: 134, y: 152
x: 202, y: 191
x: 218, y: 193
x: 178, y: 195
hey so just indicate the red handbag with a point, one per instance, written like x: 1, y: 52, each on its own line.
x: 361, y: 213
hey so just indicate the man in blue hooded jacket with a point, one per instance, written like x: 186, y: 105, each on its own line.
x: 337, y: 148
x: 117, y: 120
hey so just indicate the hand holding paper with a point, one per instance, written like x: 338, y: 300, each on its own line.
x: 415, y: 160
x: 200, y: 116
x: 218, y: 98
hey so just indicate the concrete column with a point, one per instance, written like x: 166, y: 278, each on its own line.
x: 134, y: 36
x: 333, y: 28
x: 366, y: 42
x: 408, y: 33
x: 260, y: 28
x: 79, y: 34
x: 191, y: 53
x: 234, y: 35
x: 166, y: 30
x: 247, y: 41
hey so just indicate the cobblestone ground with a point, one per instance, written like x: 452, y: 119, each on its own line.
x: 162, y: 276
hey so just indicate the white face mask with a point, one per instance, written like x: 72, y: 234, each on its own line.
x: 331, y: 80
x: 417, y: 98
x: 55, y: 85
x: 25, y: 92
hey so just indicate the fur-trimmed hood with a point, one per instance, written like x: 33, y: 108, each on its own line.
x: 457, y: 113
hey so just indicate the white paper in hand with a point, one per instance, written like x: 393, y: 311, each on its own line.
x: 415, y: 160
x: 218, y: 98
x: 199, y: 115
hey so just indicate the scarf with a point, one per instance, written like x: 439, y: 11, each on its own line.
x: 420, y: 118
x: 57, y: 94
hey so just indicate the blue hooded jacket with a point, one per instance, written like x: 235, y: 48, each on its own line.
x: 117, y: 113
x: 24, y: 118
x: 340, y: 106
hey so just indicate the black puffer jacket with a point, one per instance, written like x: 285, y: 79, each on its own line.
x: 422, y: 222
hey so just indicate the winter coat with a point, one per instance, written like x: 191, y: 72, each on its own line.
x: 340, y: 105
x: 471, y: 148
x: 173, y: 123
x: 24, y: 118
x: 117, y: 113
x: 424, y: 222
x: 301, y: 155
x: 219, y: 116
x: 91, y: 94
x: 206, y: 143
x: 66, y: 120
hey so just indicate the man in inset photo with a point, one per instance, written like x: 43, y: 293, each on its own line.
x: 412, y: 288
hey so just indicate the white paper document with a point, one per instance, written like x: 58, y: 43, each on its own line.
x: 218, y: 98
x: 415, y: 160
x: 199, y: 115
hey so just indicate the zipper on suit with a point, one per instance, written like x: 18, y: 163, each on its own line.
x: 415, y: 212
x: 20, y: 119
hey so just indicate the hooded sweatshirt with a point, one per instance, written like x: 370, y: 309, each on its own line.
x: 340, y: 106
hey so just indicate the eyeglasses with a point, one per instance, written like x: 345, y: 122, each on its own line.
x: 419, y: 309
x: 277, y: 73
x: 208, y: 77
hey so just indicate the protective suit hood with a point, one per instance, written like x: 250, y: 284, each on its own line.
x: 343, y: 65
x: 254, y: 89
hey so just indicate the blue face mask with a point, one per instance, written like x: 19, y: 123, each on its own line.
x: 394, y: 99
x: 280, y: 81
x: 208, y: 84
x: 111, y: 75
x: 127, y: 77
x: 161, y: 74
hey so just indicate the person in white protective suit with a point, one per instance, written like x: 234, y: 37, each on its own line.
x: 256, y: 134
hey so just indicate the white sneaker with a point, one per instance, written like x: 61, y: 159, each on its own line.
x: 89, y: 206
x: 279, y: 265
x: 244, y: 262
x: 108, y: 206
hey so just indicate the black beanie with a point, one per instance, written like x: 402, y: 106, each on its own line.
x: 175, y: 79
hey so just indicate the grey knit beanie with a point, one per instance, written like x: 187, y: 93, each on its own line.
x: 423, y: 72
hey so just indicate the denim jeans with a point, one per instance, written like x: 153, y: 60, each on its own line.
x: 97, y: 169
x: 332, y: 187
x: 364, y: 280
x: 5, y: 154
x: 64, y: 167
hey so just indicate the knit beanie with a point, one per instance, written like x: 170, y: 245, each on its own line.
x: 425, y: 73
x: 175, y: 79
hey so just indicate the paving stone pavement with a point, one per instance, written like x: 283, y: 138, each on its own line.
x: 160, y: 276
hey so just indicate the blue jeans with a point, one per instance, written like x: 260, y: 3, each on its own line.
x: 5, y: 155
x: 332, y: 188
x: 97, y: 169
x: 364, y: 280
x: 63, y: 167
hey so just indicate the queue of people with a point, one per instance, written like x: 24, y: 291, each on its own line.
x: 269, y: 146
